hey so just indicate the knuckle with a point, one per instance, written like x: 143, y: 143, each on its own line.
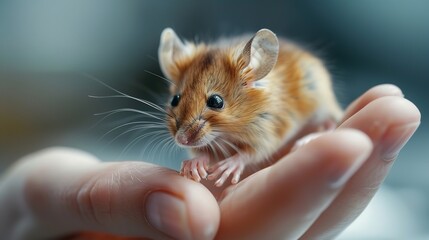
x: 93, y: 200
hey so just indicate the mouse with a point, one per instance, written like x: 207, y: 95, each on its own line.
x: 235, y: 101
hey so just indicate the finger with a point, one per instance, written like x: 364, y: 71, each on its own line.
x: 182, y: 167
x: 389, y: 122
x: 306, y: 139
x: 280, y: 201
x: 237, y: 174
x: 202, y: 170
x: 224, y: 177
x: 217, y: 169
x: 194, y: 171
x: 370, y: 95
x: 68, y: 191
x: 187, y: 169
x: 376, y: 92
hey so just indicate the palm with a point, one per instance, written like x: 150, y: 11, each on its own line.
x: 313, y: 192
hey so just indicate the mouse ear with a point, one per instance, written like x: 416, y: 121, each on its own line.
x: 170, y: 50
x: 259, y: 55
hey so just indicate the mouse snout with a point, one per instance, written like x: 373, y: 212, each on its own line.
x: 183, y: 139
x: 190, y: 135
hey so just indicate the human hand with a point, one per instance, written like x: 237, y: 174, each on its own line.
x: 60, y: 193
x: 317, y: 190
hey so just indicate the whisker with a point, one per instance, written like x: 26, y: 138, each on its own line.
x: 234, y: 147
x: 172, y: 144
x: 136, y: 140
x: 164, y: 141
x: 174, y: 149
x: 133, y: 117
x: 158, y: 136
x: 164, y: 78
x: 130, y: 118
x: 150, y: 104
x: 152, y: 58
x: 153, y: 105
x: 120, y: 110
x: 153, y: 140
x: 165, y: 145
x: 129, y: 145
x: 146, y: 123
x: 221, y: 149
x: 213, y: 149
x: 128, y: 131
x: 156, y: 144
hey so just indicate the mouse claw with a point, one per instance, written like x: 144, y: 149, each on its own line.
x: 195, y: 169
x: 233, y: 165
x: 236, y: 177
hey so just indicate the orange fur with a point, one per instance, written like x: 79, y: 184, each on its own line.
x: 255, y: 120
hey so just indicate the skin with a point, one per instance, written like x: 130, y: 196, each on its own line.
x: 316, y: 190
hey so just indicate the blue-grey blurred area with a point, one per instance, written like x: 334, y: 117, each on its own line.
x: 50, y: 52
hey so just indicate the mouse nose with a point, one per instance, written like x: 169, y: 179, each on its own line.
x: 183, y: 139
x: 186, y: 138
x: 190, y: 135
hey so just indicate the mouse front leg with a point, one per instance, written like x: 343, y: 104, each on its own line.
x: 195, y: 168
x: 233, y: 165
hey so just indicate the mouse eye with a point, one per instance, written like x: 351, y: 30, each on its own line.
x: 175, y: 100
x: 215, y: 101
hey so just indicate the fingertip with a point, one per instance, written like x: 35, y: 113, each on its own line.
x: 382, y: 113
x: 379, y: 91
x: 195, y: 175
x: 389, y: 120
x: 190, y: 211
x: 386, y: 89
x: 168, y: 214
x: 193, y: 215
x: 345, y: 141
x: 354, y: 148
x: 339, y: 153
x: 293, y: 192
x: 203, y: 174
x: 411, y: 109
x: 354, y: 139
x: 219, y: 182
x: 203, y: 210
x: 125, y: 199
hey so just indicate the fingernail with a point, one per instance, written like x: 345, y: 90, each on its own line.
x: 168, y: 214
x: 341, y: 176
x: 395, y: 139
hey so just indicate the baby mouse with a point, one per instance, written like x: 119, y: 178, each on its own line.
x: 234, y: 102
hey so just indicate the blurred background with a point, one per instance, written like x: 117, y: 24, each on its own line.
x: 51, y: 51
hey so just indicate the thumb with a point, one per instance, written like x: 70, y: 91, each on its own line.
x: 69, y: 191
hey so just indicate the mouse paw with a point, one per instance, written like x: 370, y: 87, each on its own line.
x: 195, y: 168
x: 233, y: 165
